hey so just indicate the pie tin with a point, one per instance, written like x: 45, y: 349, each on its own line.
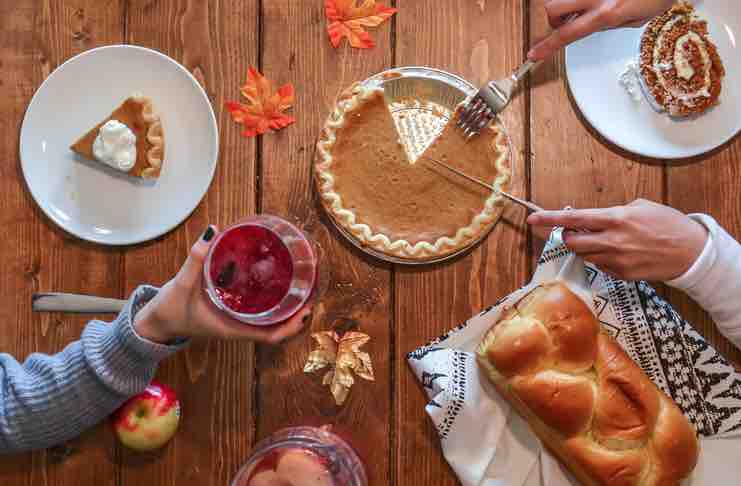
x: 421, y: 101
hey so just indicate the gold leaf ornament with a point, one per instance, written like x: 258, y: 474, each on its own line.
x: 342, y: 354
x: 324, y: 355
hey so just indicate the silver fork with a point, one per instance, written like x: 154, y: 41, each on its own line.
x: 494, y: 97
x: 491, y: 99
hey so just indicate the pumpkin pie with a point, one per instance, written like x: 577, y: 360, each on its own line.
x: 135, y: 119
x: 410, y: 209
x: 679, y: 64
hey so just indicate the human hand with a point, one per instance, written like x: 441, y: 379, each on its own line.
x: 641, y: 241
x: 593, y: 16
x: 182, y: 309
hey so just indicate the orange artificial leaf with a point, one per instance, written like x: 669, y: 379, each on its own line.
x: 265, y: 109
x: 348, y: 19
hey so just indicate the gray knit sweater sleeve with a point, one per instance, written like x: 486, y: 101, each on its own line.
x: 50, y: 399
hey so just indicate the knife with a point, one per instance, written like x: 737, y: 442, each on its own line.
x: 532, y: 207
x: 83, y: 304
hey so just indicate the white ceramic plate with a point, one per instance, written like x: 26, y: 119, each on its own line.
x: 99, y: 204
x: 594, y: 64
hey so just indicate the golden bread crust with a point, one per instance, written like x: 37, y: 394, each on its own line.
x: 594, y: 408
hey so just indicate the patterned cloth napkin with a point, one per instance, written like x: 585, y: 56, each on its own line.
x: 487, y: 444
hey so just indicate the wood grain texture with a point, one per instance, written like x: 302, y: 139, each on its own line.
x: 296, y: 48
x: 226, y: 403
x: 602, y: 175
x: 709, y: 186
x: 35, y: 37
x: 216, y: 40
x: 478, y: 41
x: 571, y: 163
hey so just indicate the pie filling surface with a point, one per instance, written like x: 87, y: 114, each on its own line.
x: 137, y: 113
x: 679, y: 64
x: 409, y: 209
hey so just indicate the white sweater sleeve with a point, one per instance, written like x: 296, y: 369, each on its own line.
x: 714, y: 280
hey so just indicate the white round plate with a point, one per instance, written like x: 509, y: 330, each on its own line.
x: 99, y: 204
x: 594, y: 64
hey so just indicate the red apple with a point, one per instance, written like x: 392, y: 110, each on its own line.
x: 148, y: 420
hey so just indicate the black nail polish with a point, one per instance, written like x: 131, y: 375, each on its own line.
x: 208, y: 234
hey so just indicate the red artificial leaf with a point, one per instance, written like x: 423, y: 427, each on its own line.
x: 348, y: 19
x: 265, y: 109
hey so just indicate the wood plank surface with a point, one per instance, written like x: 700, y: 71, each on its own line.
x: 295, y: 48
x: 571, y: 163
x: 35, y: 37
x: 603, y: 175
x: 233, y: 395
x: 478, y: 41
x: 216, y: 40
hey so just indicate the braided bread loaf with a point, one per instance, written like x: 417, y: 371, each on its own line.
x: 586, y: 400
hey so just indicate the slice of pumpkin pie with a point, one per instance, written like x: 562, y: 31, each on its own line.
x: 130, y: 140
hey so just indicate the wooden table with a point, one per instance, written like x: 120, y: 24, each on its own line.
x: 236, y: 393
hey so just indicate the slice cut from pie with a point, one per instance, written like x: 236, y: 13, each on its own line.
x: 403, y: 208
x: 137, y: 114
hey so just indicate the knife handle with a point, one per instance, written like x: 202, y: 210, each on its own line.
x: 83, y: 304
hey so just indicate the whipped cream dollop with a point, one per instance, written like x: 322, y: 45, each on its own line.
x: 115, y: 146
x: 628, y: 79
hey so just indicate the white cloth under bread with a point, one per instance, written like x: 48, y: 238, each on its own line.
x: 488, y: 444
x: 714, y: 280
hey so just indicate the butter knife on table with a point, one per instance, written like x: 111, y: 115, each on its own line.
x: 82, y: 304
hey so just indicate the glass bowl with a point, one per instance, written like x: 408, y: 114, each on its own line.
x: 261, y: 270
x: 312, y: 455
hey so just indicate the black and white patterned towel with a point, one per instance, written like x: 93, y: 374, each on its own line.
x: 488, y: 445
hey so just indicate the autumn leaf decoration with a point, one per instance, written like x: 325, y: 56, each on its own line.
x: 349, y: 18
x: 343, y: 356
x: 265, y: 109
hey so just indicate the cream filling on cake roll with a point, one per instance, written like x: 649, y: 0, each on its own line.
x: 679, y: 59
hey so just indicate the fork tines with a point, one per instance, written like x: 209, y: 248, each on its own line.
x: 475, y: 116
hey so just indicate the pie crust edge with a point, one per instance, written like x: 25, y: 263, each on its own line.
x: 155, y: 136
x: 350, y: 100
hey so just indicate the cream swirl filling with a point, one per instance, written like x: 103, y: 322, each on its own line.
x: 682, y: 59
x: 682, y: 62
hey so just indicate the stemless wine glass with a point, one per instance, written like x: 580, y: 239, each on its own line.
x: 303, y: 455
x: 244, y: 258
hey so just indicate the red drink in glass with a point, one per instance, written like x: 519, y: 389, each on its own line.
x: 302, y: 456
x: 261, y: 270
